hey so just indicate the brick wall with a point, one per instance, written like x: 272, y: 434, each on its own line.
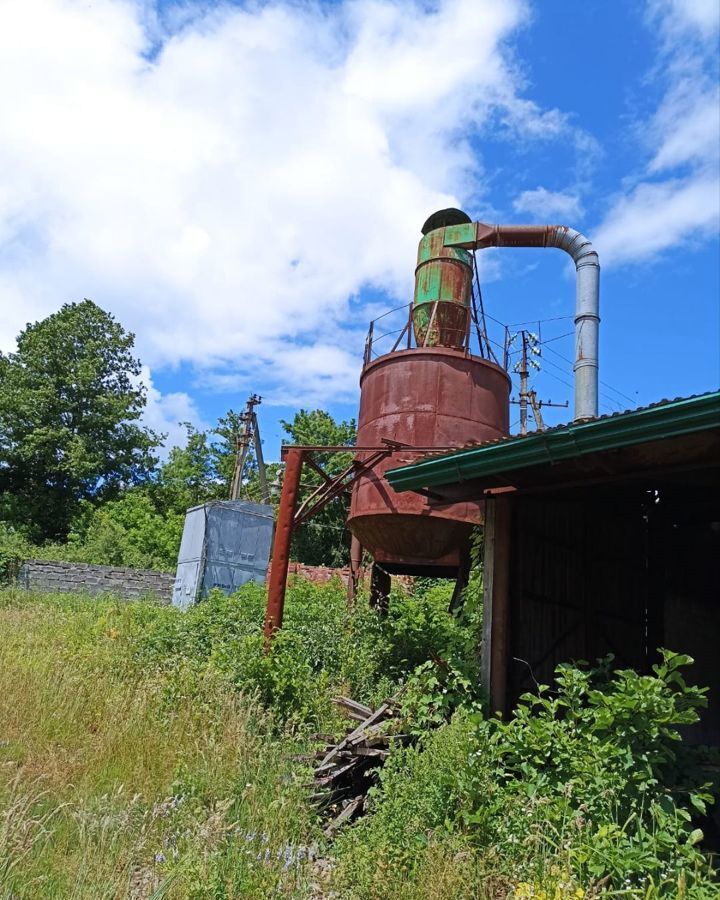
x: 43, y: 575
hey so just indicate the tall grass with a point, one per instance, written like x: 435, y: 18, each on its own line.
x: 109, y: 790
x: 147, y: 753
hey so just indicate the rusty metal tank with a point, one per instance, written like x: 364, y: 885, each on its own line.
x: 423, y: 397
x: 436, y: 394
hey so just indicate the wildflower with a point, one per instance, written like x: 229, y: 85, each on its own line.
x: 159, y: 857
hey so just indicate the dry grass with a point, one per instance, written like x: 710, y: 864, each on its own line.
x: 113, y: 787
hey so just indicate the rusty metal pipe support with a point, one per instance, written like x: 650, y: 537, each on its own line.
x: 478, y: 235
x: 281, y: 545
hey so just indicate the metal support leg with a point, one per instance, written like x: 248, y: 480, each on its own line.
x: 356, y: 554
x: 463, y: 577
x: 281, y: 545
x: 379, y: 589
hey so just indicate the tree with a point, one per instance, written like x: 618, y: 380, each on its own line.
x: 70, y: 404
x: 189, y: 476
x: 127, y: 532
x: 323, y: 540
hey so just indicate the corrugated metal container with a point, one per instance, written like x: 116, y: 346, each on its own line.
x: 224, y: 544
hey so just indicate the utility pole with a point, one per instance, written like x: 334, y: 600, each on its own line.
x: 530, y: 341
x: 523, y: 372
x: 249, y: 431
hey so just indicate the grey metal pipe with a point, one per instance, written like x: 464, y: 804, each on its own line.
x: 587, y: 317
x: 478, y: 235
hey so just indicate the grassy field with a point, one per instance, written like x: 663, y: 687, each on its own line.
x: 113, y: 784
x: 138, y: 759
x: 146, y: 753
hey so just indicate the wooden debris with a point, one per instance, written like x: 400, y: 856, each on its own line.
x: 347, y: 769
x: 355, y: 710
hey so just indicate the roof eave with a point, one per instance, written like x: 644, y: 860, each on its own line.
x: 575, y: 439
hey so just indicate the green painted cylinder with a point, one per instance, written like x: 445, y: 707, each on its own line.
x: 443, y: 287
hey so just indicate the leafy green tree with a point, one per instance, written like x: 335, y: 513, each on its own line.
x: 129, y: 531
x: 323, y: 540
x: 189, y: 476
x: 70, y: 404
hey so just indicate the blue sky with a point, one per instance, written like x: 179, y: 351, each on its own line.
x: 243, y: 185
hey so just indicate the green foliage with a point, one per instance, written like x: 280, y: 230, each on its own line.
x: 189, y: 476
x: 127, y: 532
x: 322, y: 650
x: 600, y: 763
x: 107, y: 790
x: 587, y: 785
x: 587, y: 788
x: 322, y: 541
x: 69, y: 410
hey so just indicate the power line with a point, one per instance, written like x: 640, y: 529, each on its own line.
x: 538, y: 321
x: 603, y: 383
x: 557, y: 338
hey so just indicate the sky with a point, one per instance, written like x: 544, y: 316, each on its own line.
x: 243, y: 184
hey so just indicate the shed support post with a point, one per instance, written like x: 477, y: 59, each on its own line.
x: 356, y: 554
x: 496, y: 601
x: 281, y: 544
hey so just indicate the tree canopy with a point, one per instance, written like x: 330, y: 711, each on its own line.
x: 70, y: 405
x: 323, y: 540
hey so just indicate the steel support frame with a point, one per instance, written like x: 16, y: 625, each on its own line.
x: 290, y: 516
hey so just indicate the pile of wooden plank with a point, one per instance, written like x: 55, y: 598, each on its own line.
x: 347, y: 769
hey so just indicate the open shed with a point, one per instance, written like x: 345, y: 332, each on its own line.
x: 601, y: 536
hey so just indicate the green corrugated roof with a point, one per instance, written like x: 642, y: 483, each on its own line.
x: 668, y: 419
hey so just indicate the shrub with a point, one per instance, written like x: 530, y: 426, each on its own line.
x: 586, y: 785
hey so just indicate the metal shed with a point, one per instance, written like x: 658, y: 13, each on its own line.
x: 224, y: 544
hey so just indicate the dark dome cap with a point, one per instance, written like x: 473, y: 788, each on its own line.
x: 445, y: 217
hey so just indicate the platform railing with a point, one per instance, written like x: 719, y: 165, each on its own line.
x: 394, y: 330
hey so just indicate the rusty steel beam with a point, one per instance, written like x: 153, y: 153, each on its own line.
x: 281, y: 545
x: 389, y: 447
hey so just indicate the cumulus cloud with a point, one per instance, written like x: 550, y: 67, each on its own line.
x: 677, y: 197
x: 543, y: 205
x: 228, y: 180
x: 167, y: 413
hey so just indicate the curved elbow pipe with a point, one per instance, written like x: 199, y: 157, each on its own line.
x: 478, y: 235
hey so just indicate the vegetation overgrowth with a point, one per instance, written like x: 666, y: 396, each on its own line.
x: 150, y: 753
x: 81, y: 477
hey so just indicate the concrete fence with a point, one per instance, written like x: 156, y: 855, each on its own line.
x: 65, y: 577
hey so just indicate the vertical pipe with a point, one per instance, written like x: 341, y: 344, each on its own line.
x: 356, y: 552
x: 587, y: 327
x: 281, y: 545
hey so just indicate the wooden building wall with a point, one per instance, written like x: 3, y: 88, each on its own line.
x: 579, y: 575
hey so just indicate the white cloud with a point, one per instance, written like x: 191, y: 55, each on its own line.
x: 224, y: 187
x: 699, y: 16
x: 544, y: 204
x: 167, y: 413
x: 677, y: 198
x: 659, y: 215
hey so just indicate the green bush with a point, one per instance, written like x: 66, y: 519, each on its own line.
x: 588, y: 785
x: 322, y: 650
